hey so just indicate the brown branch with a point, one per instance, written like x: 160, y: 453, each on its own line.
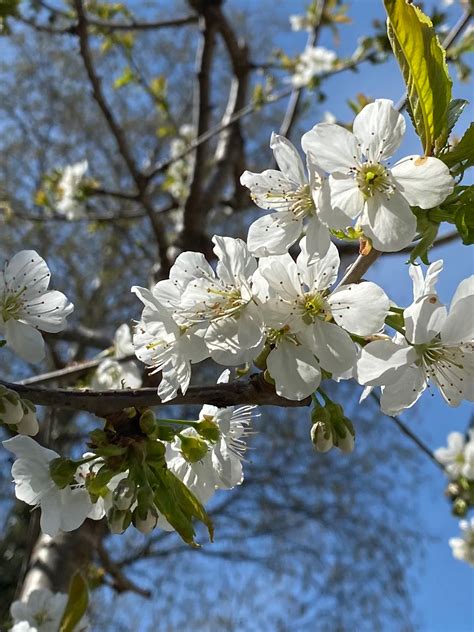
x: 194, y: 212
x: 242, y: 113
x: 252, y: 391
x: 120, y: 582
x: 118, y: 133
x: 229, y: 151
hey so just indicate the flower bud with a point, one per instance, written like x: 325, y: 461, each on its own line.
x: 29, y: 423
x: 11, y: 410
x: 62, y: 471
x: 146, y: 521
x: 453, y: 490
x: 460, y: 507
x: 124, y: 494
x: 208, y: 429
x: 155, y: 450
x: 148, y: 422
x: 118, y: 520
x: 344, y: 435
x: 193, y: 448
x: 322, y: 436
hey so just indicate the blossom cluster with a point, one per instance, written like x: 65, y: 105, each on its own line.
x: 463, y: 547
x: 42, y: 611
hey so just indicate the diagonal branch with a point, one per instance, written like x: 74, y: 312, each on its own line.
x: 118, y: 134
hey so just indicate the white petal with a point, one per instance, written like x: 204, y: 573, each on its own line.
x: 318, y: 239
x: 50, y: 521
x: 345, y: 195
x: 288, y: 159
x: 388, y: 222
x: 333, y: 147
x: 379, y: 361
x: 282, y: 275
x: 423, y: 181
x: 48, y: 312
x: 269, y: 189
x: 332, y: 217
x: 27, y: 270
x: 236, y: 265
x: 464, y: 289
x: 26, y: 341
x: 188, y: 266
x: 380, y: 128
x: 273, y: 234
x: 75, y: 507
x: 295, y: 370
x: 360, y: 308
x: 425, y: 285
x: 318, y: 272
x: 459, y: 325
x: 404, y: 392
x: 424, y: 319
x: 332, y: 345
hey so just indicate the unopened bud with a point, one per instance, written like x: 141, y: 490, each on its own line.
x: 321, y: 436
x: 460, y: 507
x: 124, y: 494
x: 453, y: 490
x: 29, y: 423
x: 146, y: 521
x: 62, y: 471
x: 118, y: 520
x: 193, y: 448
x: 208, y: 429
x: 344, y: 435
x: 148, y: 422
x: 155, y: 450
x: 11, y: 410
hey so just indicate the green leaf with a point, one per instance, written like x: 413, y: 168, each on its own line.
x: 77, y: 602
x: 125, y: 78
x: 463, y: 152
x: 456, y: 108
x: 422, y: 61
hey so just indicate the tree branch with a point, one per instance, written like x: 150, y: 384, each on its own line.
x: 252, y: 391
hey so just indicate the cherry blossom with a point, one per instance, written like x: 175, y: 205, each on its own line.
x: 112, y: 374
x: 437, y: 347
x: 313, y: 61
x: 41, y: 611
x: 61, y: 509
x: 310, y: 324
x: 363, y: 187
x: 293, y: 197
x: 463, y: 547
x: 69, y: 204
x: 27, y: 306
x: 458, y: 456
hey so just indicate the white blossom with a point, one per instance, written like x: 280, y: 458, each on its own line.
x: 61, y: 509
x: 301, y: 23
x: 163, y: 342
x: 26, y: 305
x: 293, y: 197
x: 362, y: 186
x: 463, y: 547
x: 458, y: 457
x: 41, y: 611
x: 69, y: 204
x: 438, y: 347
x: 112, y: 374
x: 309, y: 325
x: 313, y: 61
x: 224, y: 302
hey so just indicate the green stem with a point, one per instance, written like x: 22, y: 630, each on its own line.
x: 182, y: 422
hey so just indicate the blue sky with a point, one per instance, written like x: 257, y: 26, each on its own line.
x: 442, y: 588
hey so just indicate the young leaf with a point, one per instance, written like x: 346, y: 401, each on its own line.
x: 463, y: 152
x: 423, y: 64
x: 77, y: 602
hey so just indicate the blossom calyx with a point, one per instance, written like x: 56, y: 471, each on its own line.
x: 62, y: 471
x: 193, y: 448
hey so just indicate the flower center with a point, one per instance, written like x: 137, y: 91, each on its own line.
x: 373, y: 177
x: 315, y: 306
x: 228, y: 302
x: 11, y: 305
x: 302, y: 203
